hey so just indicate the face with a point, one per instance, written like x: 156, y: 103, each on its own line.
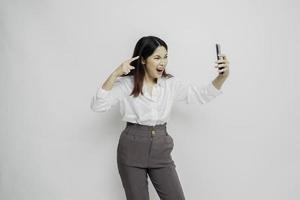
x: 156, y: 63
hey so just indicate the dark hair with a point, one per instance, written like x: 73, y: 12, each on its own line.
x: 144, y: 48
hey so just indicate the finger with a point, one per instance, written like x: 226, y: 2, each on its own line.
x: 132, y: 59
x: 222, y: 61
x: 221, y: 65
x: 222, y: 55
x: 219, y: 68
x: 131, y: 67
x: 223, y: 70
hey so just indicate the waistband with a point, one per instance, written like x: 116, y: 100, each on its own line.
x: 158, y: 127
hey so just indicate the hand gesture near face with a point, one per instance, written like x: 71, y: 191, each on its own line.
x: 125, y: 67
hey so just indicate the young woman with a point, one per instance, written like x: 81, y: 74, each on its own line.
x: 146, y: 94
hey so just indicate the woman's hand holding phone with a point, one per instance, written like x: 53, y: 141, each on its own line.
x: 222, y: 62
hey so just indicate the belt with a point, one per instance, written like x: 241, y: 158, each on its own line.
x: 158, y: 127
x: 136, y: 124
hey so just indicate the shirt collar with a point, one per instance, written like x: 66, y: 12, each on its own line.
x: 160, y: 81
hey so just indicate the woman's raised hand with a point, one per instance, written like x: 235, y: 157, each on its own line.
x: 125, y: 67
x: 223, y: 66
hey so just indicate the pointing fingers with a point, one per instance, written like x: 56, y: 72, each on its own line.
x: 134, y: 58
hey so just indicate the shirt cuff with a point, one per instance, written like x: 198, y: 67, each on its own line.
x: 102, y: 93
x: 213, y: 90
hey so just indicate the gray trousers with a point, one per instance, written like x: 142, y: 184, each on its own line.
x: 146, y: 151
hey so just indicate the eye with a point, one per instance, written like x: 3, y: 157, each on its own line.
x: 158, y: 58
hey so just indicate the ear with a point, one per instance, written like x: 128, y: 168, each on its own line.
x: 143, y: 61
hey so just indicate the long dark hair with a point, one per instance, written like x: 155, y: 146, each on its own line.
x: 144, y: 48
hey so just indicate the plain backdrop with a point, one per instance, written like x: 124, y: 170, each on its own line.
x: 54, y: 55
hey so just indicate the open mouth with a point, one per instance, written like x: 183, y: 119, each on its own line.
x: 160, y: 70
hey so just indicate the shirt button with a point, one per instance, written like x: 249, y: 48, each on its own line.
x: 153, y: 132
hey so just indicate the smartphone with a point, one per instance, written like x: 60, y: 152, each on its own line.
x: 218, y: 50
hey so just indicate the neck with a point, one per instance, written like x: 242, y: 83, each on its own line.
x: 149, y: 80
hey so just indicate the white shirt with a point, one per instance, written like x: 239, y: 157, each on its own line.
x: 150, y: 109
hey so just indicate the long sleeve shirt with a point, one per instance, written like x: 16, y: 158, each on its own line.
x: 151, y: 109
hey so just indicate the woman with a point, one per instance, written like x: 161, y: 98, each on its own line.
x: 146, y: 94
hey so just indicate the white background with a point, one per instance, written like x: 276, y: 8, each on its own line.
x: 55, y: 54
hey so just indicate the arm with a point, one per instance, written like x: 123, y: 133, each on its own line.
x: 189, y: 92
x: 218, y: 82
x: 113, y: 89
x: 109, y: 94
x: 108, y: 84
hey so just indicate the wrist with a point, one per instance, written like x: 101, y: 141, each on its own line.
x: 221, y: 77
x: 218, y: 81
x: 116, y: 74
